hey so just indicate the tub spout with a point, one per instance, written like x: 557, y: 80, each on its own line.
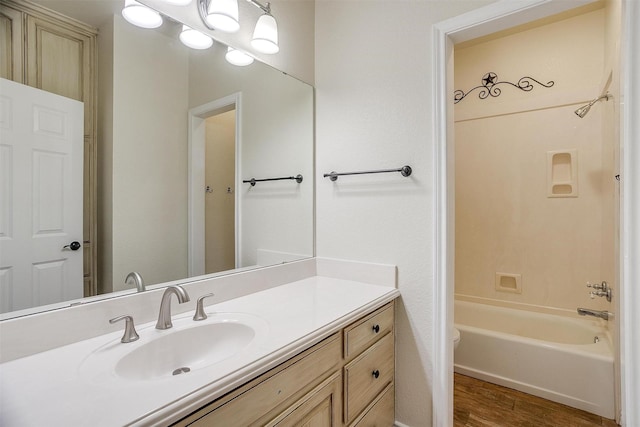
x: 595, y: 313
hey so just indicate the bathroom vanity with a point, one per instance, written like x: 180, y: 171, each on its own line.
x: 347, y: 377
x: 312, y: 341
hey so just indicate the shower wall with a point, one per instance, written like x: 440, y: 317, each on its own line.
x: 531, y: 177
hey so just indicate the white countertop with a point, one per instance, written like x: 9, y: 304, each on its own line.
x: 57, y: 387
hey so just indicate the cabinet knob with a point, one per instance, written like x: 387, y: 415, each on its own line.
x: 375, y: 373
x: 376, y: 328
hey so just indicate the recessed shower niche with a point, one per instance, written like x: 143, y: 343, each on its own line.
x: 562, y: 173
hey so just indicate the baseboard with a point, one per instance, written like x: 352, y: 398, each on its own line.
x: 399, y: 424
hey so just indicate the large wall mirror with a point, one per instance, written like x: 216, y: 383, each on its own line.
x: 178, y: 131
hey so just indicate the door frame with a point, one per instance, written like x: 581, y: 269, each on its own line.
x: 196, y: 170
x: 490, y: 19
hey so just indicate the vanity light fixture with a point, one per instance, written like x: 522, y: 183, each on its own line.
x: 221, y: 15
x: 265, y: 35
x: 141, y: 15
x: 178, y: 2
x: 195, y: 39
x: 238, y: 57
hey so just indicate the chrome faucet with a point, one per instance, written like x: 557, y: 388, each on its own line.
x: 136, y: 278
x: 164, y: 317
x: 595, y: 313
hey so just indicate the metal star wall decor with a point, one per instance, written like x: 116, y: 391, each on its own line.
x: 490, y: 83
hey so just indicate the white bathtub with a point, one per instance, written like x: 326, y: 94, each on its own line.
x: 546, y: 355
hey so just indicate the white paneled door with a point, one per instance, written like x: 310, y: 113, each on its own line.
x: 41, y: 161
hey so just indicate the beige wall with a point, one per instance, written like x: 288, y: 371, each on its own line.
x: 505, y: 221
x: 220, y: 174
x: 105, y: 157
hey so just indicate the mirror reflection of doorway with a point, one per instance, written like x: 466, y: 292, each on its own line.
x: 220, y: 173
x: 214, y: 147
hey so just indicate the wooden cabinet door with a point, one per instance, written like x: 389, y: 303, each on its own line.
x: 381, y: 413
x: 60, y: 58
x: 321, y: 407
x: 11, y: 46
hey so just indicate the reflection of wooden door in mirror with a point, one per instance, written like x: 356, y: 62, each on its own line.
x: 49, y: 51
x: 41, y: 157
x: 220, y: 178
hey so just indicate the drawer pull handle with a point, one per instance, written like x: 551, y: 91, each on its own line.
x: 375, y: 373
x: 376, y: 328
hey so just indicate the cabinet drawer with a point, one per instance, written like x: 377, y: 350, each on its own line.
x: 381, y: 413
x: 362, y: 334
x: 274, y: 392
x: 367, y: 375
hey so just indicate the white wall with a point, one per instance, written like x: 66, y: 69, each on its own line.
x: 146, y: 91
x: 276, y: 133
x: 373, y: 101
x: 146, y: 191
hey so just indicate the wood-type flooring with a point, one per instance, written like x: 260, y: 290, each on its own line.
x: 479, y: 403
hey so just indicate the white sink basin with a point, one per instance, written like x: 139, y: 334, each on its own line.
x: 184, y: 350
x: 175, y: 352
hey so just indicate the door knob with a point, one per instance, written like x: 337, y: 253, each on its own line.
x: 74, y: 246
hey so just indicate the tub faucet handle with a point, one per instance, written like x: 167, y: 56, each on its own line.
x: 601, y: 290
x: 599, y: 286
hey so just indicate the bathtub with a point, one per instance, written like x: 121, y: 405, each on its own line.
x: 546, y: 355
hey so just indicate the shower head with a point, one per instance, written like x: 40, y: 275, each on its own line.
x: 582, y: 111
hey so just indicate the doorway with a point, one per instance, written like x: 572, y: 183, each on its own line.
x: 475, y: 24
x: 536, y: 202
x: 220, y: 172
x: 214, y: 171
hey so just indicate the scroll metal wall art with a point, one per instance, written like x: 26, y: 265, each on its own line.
x: 490, y: 83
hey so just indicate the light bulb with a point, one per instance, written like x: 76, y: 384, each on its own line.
x: 195, y: 39
x: 237, y: 57
x: 223, y: 15
x: 265, y: 35
x: 140, y: 15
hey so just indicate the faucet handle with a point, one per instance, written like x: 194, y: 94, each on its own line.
x: 130, y: 333
x: 600, y: 286
x: 601, y: 290
x: 200, y: 314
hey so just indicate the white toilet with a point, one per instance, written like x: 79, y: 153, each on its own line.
x: 456, y: 338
